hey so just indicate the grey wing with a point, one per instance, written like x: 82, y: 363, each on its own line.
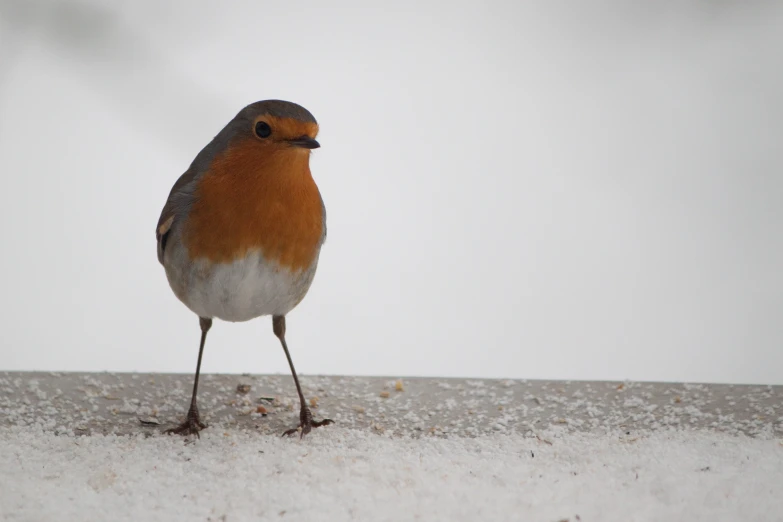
x: 177, y: 204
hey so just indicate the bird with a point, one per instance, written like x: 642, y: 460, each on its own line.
x: 241, y: 232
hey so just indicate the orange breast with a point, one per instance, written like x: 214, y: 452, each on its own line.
x: 253, y: 198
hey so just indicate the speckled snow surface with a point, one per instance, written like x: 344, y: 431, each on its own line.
x: 343, y: 474
x: 90, y: 447
x: 117, y: 403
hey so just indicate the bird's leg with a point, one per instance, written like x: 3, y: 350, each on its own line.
x: 306, y: 422
x: 192, y: 423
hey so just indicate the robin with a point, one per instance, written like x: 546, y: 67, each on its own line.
x: 242, y: 229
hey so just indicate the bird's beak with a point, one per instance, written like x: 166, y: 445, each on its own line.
x: 305, y: 142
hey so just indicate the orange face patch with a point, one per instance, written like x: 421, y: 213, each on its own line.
x: 286, y: 128
x: 257, y: 195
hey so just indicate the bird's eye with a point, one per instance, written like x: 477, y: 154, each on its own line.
x: 263, y: 130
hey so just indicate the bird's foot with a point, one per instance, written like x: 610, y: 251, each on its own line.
x: 191, y: 426
x: 306, y: 423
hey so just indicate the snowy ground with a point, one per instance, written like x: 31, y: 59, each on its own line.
x: 355, y: 475
x: 464, y: 451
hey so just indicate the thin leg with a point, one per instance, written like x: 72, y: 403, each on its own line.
x: 192, y: 423
x: 306, y: 421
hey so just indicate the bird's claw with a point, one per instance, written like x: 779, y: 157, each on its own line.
x: 306, y: 423
x: 191, y: 426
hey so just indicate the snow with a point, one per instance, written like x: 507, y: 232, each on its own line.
x: 352, y: 474
x: 91, y: 447
x: 116, y: 403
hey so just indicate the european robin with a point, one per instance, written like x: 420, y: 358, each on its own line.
x: 242, y: 229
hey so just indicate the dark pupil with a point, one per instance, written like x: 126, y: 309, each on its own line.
x: 263, y: 129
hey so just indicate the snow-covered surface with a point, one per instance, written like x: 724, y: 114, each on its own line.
x: 90, y: 447
x: 84, y: 403
x: 341, y: 474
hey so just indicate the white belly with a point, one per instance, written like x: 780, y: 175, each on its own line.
x: 238, y: 291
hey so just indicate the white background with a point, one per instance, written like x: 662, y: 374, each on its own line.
x: 513, y: 189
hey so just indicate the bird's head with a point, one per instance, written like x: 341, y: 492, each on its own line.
x: 268, y: 136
